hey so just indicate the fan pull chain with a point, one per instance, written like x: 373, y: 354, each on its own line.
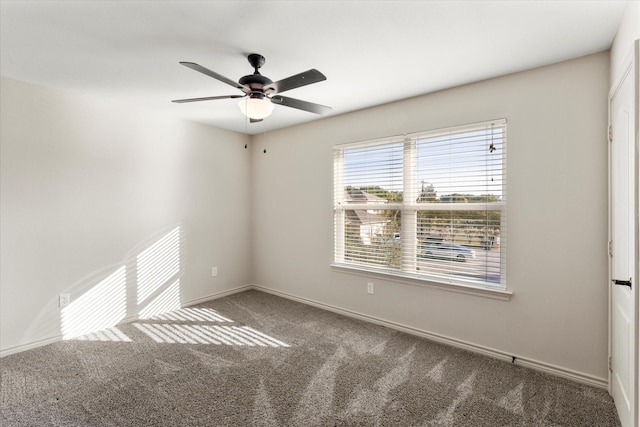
x: 246, y: 131
x: 264, y: 136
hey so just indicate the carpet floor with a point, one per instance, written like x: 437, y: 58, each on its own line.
x: 254, y: 359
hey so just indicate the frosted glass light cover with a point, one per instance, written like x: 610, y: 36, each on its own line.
x: 256, y: 108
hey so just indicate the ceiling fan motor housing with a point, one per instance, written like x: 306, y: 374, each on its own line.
x: 255, y: 81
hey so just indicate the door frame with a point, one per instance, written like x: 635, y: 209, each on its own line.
x: 631, y: 65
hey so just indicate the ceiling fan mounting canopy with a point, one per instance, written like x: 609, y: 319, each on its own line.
x: 256, y: 60
x: 261, y: 88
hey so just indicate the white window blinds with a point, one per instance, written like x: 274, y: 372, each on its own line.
x: 430, y: 205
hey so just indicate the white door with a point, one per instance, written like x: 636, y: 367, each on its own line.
x: 623, y: 285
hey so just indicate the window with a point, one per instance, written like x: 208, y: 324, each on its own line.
x: 430, y: 205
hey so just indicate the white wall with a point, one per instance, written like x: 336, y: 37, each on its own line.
x: 87, y: 187
x: 557, y: 215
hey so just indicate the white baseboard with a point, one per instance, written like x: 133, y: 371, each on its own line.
x: 29, y: 346
x: 497, y: 354
x: 129, y: 319
x: 218, y: 295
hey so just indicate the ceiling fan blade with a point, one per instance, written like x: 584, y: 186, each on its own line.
x: 207, y: 98
x: 300, y: 105
x: 215, y: 75
x: 305, y: 78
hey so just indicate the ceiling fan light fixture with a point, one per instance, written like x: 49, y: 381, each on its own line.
x: 256, y: 108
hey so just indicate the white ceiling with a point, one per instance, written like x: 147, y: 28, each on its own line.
x: 372, y: 52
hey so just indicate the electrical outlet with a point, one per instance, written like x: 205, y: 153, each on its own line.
x: 64, y: 300
x: 214, y: 271
x: 370, y: 287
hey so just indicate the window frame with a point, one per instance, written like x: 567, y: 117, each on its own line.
x: 409, y: 208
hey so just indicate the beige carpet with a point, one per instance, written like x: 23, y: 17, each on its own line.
x: 253, y: 359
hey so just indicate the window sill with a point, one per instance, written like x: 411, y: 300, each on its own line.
x: 485, y: 292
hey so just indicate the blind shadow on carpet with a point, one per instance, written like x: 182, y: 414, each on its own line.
x: 255, y: 359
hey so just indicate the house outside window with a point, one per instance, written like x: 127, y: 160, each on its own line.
x: 428, y: 206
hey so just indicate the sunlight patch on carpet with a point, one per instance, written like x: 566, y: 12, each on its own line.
x: 112, y: 334
x: 169, y: 333
x: 192, y: 315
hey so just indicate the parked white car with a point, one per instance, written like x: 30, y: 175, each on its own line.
x: 448, y: 251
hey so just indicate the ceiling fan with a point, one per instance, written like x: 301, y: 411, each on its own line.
x: 260, y: 93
